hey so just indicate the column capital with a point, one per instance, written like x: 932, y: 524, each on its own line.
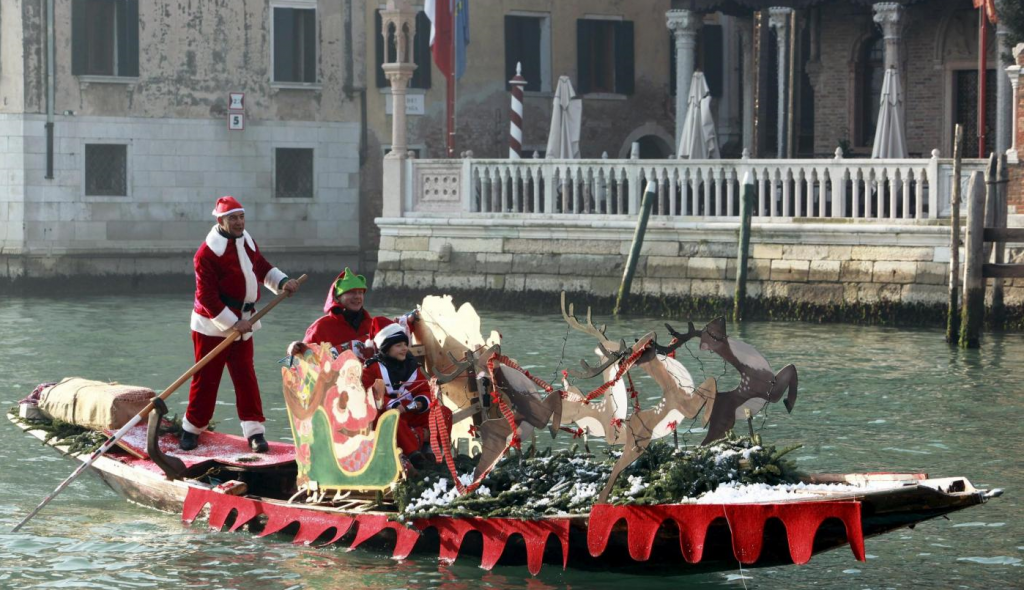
x: 683, y: 22
x: 889, y: 16
x: 778, y: 17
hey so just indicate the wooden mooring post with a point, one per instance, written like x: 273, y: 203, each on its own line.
x: 650, y: 193
x: 953, y: 313
x: 743, y: 254
x: 997, y: 312
x: 982, y: 228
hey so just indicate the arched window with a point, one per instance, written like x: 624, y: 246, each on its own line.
x: 870, y: 74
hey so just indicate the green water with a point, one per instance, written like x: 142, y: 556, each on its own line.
x: 871, y: 399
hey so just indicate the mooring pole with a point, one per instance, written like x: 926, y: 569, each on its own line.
x: 746, y: 213
x: 953, y: 313
x: 996, y: 313
x: 638, y: 241
x: 973, y: 313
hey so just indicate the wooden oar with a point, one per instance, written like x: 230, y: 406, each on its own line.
x: 110, y: 442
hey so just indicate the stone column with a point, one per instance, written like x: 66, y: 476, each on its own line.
x: 747, y: 55
x: 1004, y: 106
x: 778, y: 19
x: 889, y: 16
x: 399, y: 19
x: 1017, y: 133
x: 684, y: 25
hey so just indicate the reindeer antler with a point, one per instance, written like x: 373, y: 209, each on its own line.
x: 459, y: 367
x: 589, y: 329
x: 677, y: 338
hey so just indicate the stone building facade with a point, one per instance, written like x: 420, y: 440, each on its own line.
x: 141, y: 142
x: 839, y: 49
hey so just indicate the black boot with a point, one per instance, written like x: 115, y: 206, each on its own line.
x: 258, y: 444
x: 188, y: 441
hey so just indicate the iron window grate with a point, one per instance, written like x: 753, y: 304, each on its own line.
x: 294, y: 173
x: 106, y: 170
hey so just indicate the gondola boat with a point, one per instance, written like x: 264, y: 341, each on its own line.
x: 335, y: 483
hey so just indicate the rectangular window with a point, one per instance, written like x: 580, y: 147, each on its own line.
x: 105, y: 38
x: 604, y: 56
x: 295, y: 41
x: 421, y: 55
x: 293, y: 169
x: 106, y: 170
x: 528, y: 42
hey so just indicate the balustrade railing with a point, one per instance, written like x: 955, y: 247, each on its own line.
x: 907, y: 189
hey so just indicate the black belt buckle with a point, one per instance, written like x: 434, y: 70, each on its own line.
x: 249, y: 307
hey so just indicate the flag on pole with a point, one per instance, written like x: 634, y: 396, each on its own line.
x: 440, y: 14
x: 990, y: 9
x: 461, y: 36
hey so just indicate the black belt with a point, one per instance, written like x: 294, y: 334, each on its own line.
x: 236, y: 304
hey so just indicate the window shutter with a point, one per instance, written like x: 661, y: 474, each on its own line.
x: 309, y: 38
x: 284, y: 42
x: 624, y: 73
x: 128, y: 38
x: 584, y: 60
x: 378, y: 22
x: 421, y: 52
x: 78, y: 48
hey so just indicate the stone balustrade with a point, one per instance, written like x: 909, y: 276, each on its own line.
x: 907, y: 189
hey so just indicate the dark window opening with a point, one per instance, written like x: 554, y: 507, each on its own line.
x: 522, y: 46
x: 421, y: 55
x: 966, y: 111
x: 604, y: 56
x: 105, y: 38
x: 295, y: 45
x: 871, y: 74
x: 294, y: 173
x: 106, y: 170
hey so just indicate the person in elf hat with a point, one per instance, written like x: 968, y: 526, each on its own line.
x: 229, y: 269
x: 406, y: 389
x: 345, y: 323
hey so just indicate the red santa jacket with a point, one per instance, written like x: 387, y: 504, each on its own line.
x: 228, y: 273
x: 333, y: 328
x: 414, y: 389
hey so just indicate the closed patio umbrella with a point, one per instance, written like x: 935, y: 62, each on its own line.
x: 566, y: 115
x: 699, y: 140
x: 890, y: 141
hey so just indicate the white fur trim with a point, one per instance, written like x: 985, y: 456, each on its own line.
x: 189, y: 427
x: 219, y: 215
x: 387, y: 332
x: 273, y: 278
x: 219, y: 244
x: 251, y: 286
x: 252, y: 428
x: 205, y: 325
x: 225, y: 319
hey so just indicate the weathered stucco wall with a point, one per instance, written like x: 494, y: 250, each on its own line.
x: 822, y: 265
x: 12, y: 62
x: 191, y: 55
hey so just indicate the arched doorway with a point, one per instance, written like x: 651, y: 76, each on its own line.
x: 653, y: 147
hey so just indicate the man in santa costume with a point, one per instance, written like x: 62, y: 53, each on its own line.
x: 345, y: 325
x: 229, y: 269
x: 406, y: 389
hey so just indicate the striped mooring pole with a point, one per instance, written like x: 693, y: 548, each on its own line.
x: 515, y: 125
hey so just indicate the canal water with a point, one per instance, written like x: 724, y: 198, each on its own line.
x: 871, y: 399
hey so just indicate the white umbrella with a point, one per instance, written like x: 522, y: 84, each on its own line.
x: 698, y: 140
x: 564, y: 136
x: 890, y: 142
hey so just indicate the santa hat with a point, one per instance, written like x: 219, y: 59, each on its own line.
x: 227, y: 206
x: 389, y: 336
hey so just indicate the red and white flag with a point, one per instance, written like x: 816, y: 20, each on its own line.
x: 440, y: 14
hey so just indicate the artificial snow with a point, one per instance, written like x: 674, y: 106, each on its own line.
x: 736, y: 493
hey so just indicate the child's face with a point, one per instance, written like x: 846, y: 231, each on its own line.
x: 398, y: 351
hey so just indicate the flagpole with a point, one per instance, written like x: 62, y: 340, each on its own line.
x: 450, y: 91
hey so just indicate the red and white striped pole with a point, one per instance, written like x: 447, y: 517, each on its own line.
x: 515, y: 127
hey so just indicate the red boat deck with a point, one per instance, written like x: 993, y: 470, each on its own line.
x: 223, y: 448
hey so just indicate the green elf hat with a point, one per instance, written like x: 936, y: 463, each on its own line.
x: 348, y: 281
